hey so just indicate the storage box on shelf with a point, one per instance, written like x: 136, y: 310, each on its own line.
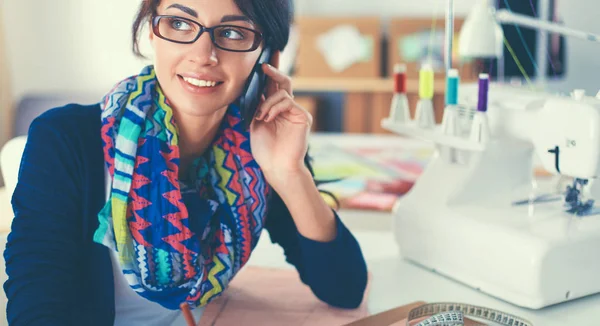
x: 311, y: 61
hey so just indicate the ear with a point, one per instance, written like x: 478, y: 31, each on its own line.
x: 150, y: 32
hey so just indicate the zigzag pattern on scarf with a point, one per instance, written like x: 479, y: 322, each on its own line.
x: 146, y: 220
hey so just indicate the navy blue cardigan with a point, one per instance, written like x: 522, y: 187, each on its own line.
x: 57, y: 275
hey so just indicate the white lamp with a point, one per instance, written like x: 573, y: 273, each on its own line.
x: 481, y: 35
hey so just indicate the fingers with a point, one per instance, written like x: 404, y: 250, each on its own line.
x: 283, y: 81
x: 271, y: 101
x: 283, y: 106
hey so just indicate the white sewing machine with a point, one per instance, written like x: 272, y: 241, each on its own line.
x: 460, y: 220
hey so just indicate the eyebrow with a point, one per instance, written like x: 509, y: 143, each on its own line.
x: 233, y: 18
x: 185, y: 9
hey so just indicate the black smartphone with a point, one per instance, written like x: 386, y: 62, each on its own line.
x: 255, y: 87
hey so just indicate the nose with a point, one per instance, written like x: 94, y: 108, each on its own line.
x: 203, y: 51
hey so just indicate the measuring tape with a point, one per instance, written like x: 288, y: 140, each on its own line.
x: 452, y: 314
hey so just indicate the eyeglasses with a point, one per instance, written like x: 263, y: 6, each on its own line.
x: 186, y: 31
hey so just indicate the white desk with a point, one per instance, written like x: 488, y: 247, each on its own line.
x: 396, y: 282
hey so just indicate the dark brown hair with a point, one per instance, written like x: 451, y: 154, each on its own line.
x: 273, y: 17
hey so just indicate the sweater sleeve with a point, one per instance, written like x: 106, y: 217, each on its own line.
x: 42, y: 251
x: 335, y: 271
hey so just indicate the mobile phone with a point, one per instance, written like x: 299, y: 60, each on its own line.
x: 255, y: 87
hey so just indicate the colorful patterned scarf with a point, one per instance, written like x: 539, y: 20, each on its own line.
x: 149, y: 219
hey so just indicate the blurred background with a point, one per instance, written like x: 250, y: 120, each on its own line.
x: 340, y: 56
x: 81, y: 48
x: 61, y: 51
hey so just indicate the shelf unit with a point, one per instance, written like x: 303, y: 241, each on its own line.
x: 367, y: 100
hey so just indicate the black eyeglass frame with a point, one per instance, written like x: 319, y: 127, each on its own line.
x: 211, y: 31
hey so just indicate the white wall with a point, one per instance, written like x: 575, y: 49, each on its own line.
x: 583, y: 66
x: 68, y: 45
x: 84, y: 45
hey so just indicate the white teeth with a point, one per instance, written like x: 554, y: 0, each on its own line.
x: 200, y: 83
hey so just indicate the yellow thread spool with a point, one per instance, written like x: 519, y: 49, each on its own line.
x: 426, y: 83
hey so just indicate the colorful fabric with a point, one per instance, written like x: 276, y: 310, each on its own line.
x: 146, y: 221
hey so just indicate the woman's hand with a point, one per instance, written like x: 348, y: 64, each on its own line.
x: 279, y: 140
x: 280, y: 129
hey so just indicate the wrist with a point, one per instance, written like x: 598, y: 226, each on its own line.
x: 284, y: 180
x: 314, y: 219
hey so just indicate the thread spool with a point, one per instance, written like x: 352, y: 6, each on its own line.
x: 484, y: 85
x: 426, y: 77
x: 452, y: 82
x: 400, y: 78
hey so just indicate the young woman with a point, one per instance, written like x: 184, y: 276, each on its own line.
x: 158, y: 195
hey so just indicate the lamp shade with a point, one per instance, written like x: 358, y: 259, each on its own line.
x: 481, y: 35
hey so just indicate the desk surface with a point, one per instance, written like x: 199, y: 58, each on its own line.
x: 394, y: 281
x: 397, y: 282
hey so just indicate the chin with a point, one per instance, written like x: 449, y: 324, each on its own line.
x: 200, y: 108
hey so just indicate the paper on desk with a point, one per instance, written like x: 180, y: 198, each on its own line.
x: 266, y: 296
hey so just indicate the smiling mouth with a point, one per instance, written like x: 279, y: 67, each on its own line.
x: 200, y: 82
